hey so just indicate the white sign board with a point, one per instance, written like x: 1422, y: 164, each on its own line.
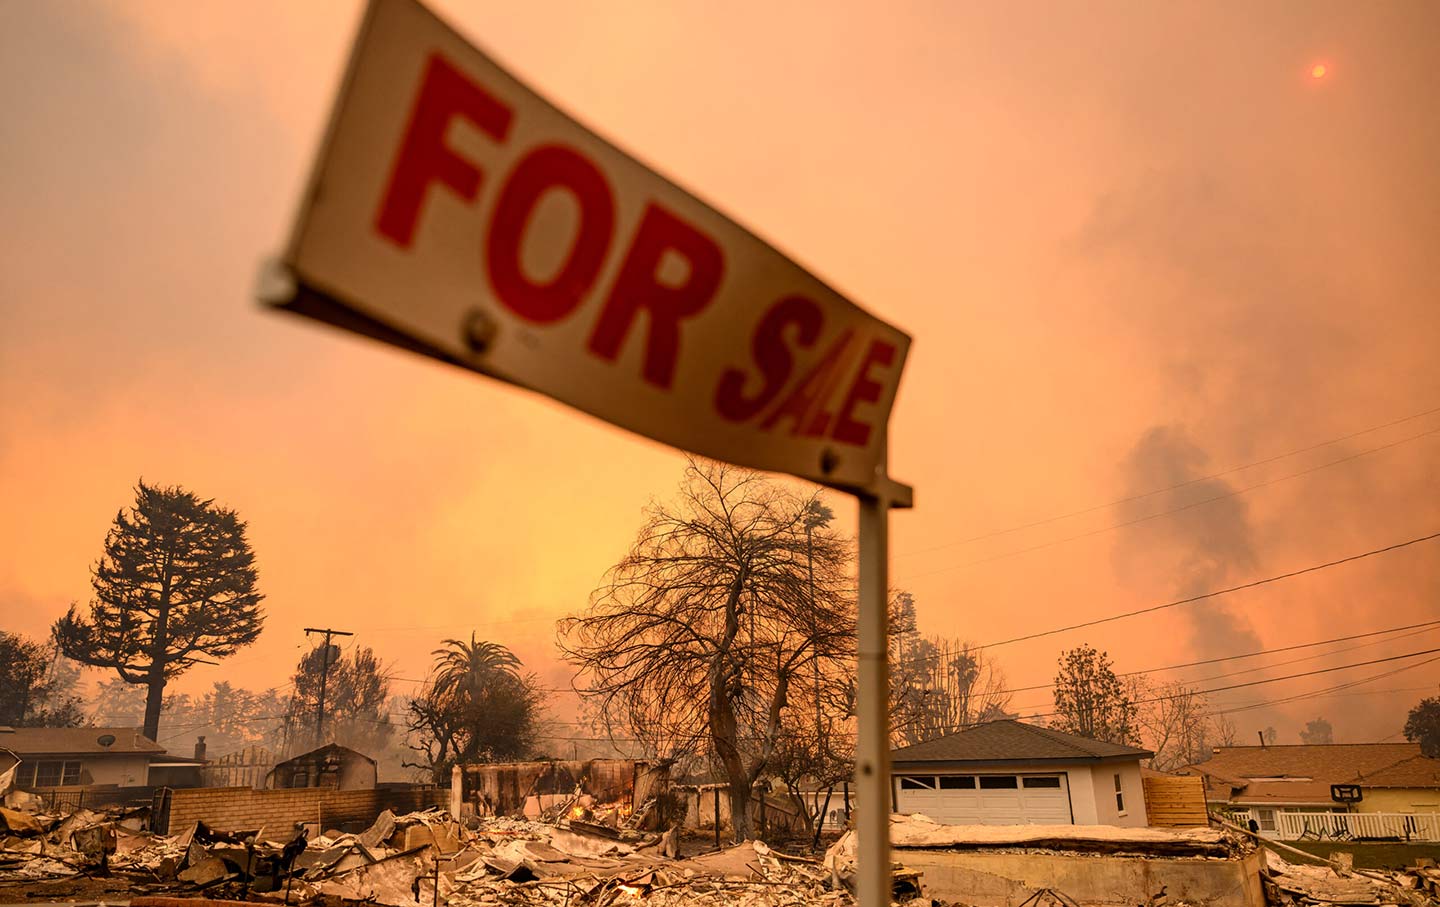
x: 455, y: 212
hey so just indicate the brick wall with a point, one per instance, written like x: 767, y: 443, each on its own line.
x: 242, y: 808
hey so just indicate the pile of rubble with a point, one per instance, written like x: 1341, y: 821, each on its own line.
x: 415, y: 860
x: 1338, y: 882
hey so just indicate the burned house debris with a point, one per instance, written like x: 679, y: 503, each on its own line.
x: 421, y: 858
x: 591, y: 789
x: 332, y: 767
x: 586, y: 847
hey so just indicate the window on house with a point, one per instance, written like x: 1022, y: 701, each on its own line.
x: 56, y: 774
x: 1051, y: 781
x: 911, y: 782
x: 998, y: 782
x: 1119, y: 795
x: 1265, y: 818
x: 957, y: 782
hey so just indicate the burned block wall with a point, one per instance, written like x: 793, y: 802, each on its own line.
x: 244, y: 808
x: 503, y: 788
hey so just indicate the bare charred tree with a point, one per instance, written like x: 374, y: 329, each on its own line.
x: 823, y: 759
x: 1090, y: 700
x: 1226, y: 733
x: 175, y: 582
x: 1173, y: 722
x: 697, y: 637
x: 940, y: 686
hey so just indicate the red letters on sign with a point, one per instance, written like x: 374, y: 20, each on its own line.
x: 423, y: 157
x: 771, y: 355
x: 639, y: 287
x: 864, y: 390
x: 546, y: 168
x: 803, y: 405
x: 810, y: 393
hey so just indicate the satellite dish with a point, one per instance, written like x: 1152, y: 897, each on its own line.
x: 105, y: 739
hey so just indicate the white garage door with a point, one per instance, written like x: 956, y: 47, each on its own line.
x: 986, y: 799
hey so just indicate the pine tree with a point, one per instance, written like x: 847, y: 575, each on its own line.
x: 176, y: 581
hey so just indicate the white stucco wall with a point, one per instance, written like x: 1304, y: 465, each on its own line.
x: 1103, y: 784
x: 119, y: 770
x: 1082, y: 794
x: 124, y: 771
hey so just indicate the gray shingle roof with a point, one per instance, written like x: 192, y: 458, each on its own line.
x: 54, y: 741
x: 1013, y: 741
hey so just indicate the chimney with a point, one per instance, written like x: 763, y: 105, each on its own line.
x: 199, y: 749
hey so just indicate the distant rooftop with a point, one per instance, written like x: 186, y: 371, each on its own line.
x: 1332, y: 763
x: 1014, y: 741
x: 56, y: 741
x: 1303, y: 773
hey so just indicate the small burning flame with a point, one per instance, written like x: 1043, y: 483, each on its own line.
x: 631, y: 890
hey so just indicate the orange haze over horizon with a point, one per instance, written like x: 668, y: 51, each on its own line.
x: 1135, y: 244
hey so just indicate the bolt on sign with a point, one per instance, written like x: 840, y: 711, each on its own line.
x: 455, y: 212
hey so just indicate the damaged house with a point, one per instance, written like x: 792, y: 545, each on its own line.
x: 331, y: 767
x: 593, y: 786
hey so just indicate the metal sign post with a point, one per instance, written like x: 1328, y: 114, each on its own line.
x: 872, y: 752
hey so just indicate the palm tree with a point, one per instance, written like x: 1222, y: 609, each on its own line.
x: 478, y: 707
x: 467, y: 668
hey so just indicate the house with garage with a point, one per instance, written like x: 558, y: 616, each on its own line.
x: 1363, y: 791
x: 1012, y: 773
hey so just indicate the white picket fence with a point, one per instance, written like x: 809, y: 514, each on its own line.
x: 1300, y: 826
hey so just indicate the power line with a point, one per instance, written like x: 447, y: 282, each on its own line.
x: 1192, y: 691
x: 466, y: 623
x: 1185, y: 484
x: 1208, y: 595
x: 1256, y: 683
x: 1281, y: 664
x: 1210, y: 500
x: 1316, y: 694
x: 1424, y: 626
x: 536, y: 689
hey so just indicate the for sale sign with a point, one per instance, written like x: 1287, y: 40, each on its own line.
x: 455, y: 212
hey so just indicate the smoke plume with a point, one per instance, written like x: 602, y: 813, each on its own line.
x: 1203, y: 548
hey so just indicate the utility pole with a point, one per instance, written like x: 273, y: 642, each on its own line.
x: 324, y: 675
x: 816, y: 515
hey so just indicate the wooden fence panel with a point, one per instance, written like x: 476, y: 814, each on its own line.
x: 1175, y: 800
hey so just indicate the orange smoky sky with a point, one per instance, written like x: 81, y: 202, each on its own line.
x: 1136, y: 244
